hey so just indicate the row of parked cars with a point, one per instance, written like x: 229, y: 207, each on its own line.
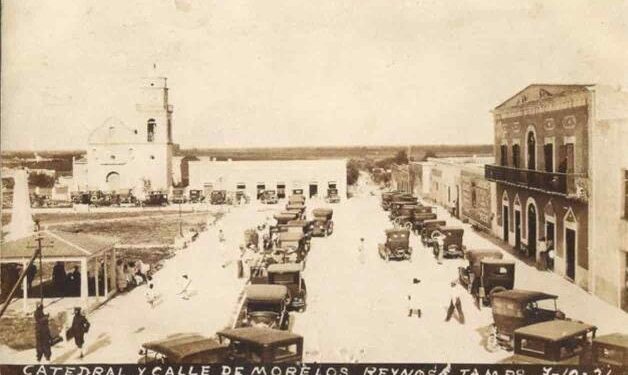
x: 275, y: 291
x: 527, y: 322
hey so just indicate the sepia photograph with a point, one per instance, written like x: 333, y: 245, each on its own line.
x: 379, y: 187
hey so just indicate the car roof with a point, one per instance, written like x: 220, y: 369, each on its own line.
x: 555, y: 330
x: 297, y: 223
x: 451, y: 228
x: 290, y: 236
x: 484, y: 255
x: 524, y: 295
x: 322, y: 211
x: 284, y: 216
x: 285, y: 267
x: 397, y: 231
x: 266, y: 292
x: 180, y: 346
x: 262, y: 336
x: 298, y: 205
x: 615, y: 339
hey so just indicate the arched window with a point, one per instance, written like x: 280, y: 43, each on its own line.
x: 150, y: 129
x: 531, y: 150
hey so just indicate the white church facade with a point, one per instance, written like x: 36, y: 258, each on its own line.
x: 136, y: 156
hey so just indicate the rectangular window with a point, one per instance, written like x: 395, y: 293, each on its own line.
x: 548, y: 150
x: 516, y: 156
x: 503, y: 156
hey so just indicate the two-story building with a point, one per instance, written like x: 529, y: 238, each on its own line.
x: 543, y: 171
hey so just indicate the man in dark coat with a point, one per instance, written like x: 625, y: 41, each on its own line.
x: 80, y: 326
x: 74, y: 282
x: 43, y: 338
x: 58, y: 278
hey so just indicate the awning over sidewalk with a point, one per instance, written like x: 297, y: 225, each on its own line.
x: 60, y: 246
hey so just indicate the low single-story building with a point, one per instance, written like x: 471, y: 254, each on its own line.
x: 314, y: 177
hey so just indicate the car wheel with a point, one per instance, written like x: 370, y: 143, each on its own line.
x: 408, y: 226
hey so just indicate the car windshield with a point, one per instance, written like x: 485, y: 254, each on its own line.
x: 285, y: 351
x: 572, y: 347
x: 254, y: 306
x: 285, y: 278
x: 546, y: 304
x: 502, y: 306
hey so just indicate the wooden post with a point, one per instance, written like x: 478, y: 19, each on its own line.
x: 105, y: 276
x: 84, y: 289
x: 97, y: 276
x: 25, y: 287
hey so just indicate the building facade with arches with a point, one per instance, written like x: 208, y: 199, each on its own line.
x: 561, y: 180
x: 133, y: 156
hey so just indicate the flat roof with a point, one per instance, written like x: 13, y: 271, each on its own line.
x: 261, y: 336
x: 555, y: 330
x: 266, y: 292
x: 180, y: 346
x: 285, y: 267
x: 524, y: 295
x: 57, y: 244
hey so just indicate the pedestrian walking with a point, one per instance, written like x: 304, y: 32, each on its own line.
x: 80, y: 326
x: 184, y: 287
x: 455, y: 305
x: 43, y: 338
x: 361, y: 251
x: 151, y: 296
x: 439, y: 242
x: 413, y: 298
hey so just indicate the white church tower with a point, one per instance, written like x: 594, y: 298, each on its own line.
x: 134, y: 155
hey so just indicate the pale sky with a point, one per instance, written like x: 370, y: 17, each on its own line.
x: 296, y: 73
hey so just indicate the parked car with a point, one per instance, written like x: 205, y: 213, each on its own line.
x: 396, y: 205
x: 289, y: 274
x: 389, y: 196
x: 300, y: 226
x: 217, y: 197
x: 560, y: 342
x: 452, y: 242
x: 196, y: 196
x: 240, y: 345
x: 397, y: 245
x: 293, y: 242
x: 183, y: 348
x: 332, y: 196
x: 269, y: 197
x: 323, y: 224
x: 264, y: 306
x: 297, y: 208
x: 609, y: 350
x: 156, y: 198
x: 251, y: 239
x: 516, y: 308
x: 262, y: 346
x: 429, y: 226
x: 297, y: 198
x: 486, y: 274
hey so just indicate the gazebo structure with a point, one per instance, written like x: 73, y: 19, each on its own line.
x: 91, y: 252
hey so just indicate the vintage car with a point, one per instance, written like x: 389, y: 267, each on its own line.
x: 412, y: 217
x: 183, y: 348
x: 452, y: 242
x: 486, y: 274
x: 81, y: 198
x: 296, y: 207
x: 389, y: 196
x: 323, y: 224
x: 516, y: 308
x: 429, y: 227
x: 609, y: 350
x: 332, y: 196
x: 561, y: 342
x: 264, y: 306
x: 281, y: 219
x: 218, y: 197
x: 293, y: 242
x: 397, y: 245
x: 262, y: 346
x: 155, y: 198
x: 299, y: 226
x: 269, y: 197
x: 196, y: 196
x: 396, y: 205
x: 297, y: 198
x: 289, y: 274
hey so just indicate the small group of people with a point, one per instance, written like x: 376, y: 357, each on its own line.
x: 44, y: 340
x: 131, y: 274
x: 66, y: 283
x: 454, y: 307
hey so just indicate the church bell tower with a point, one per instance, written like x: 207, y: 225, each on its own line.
x: 154, y: 111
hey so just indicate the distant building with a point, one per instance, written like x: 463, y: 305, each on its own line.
x: 560, y: 174
x: 314, y: 177
x: 136, y: 156
x: 400, y: 178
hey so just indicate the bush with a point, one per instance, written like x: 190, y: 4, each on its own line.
x: 40, y: 180
x: 353, y: 172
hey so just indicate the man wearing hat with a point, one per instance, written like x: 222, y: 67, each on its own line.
x: 80, y: 326
x: 413, y: 298
x: 43, y: 338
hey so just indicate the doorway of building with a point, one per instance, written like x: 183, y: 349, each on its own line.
x: 281, y: 191
x: 532, y: 231
x: 260, y: 190
x: 570, y: 253
x: 313, y: 190
x: 505, y: 223
x: 550, y: 237
x: 113, y: 181
x: 517, y: 230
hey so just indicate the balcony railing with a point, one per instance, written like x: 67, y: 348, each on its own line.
x: 567, y: 184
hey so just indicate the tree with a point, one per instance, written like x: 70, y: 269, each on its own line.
x: 401, y: 157
x: 41, y: 180
x: 429, y: 154
x: 353, y: 172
